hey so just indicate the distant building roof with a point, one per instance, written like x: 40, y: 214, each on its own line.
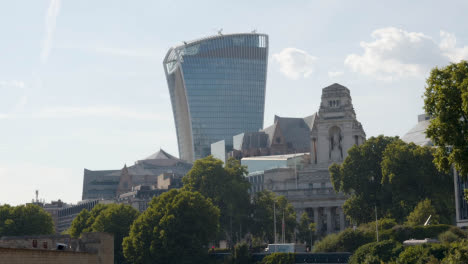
x: 161, y: 154
x: 276, y: 157
x: 417, y: 134
x: 296, y: 130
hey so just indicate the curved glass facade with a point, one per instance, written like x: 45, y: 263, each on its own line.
x: 217, y: 88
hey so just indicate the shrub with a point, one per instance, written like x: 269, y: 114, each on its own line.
x: 346, y: 241
x: 404, y: 232
x: 280, y: 258
x: 448, y: 237
x: 414, y: 255
x: 241, y: 254
x: 376, y: 252
x: 458, y: 253
x: 384, y: 224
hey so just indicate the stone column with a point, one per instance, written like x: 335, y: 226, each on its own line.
x: 316, y: 219
x: 342, y: 219
x: 329, y: 220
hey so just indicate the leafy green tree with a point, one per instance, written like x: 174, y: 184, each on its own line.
x: 409, y: 171
x: 116, y: 220
x: 457, y: 253
x: 361, y: 175
x: 263, y: 214
x: 79, y: 223
x: 421, y: 212
x: 176, y: 228
x: 22, y: 220
x: 376, y: 252
x: 279, y: 258
x: 306, y: 229
x: 85, y: 219
x: 446, y: 101
x: 392, y: 176
x: 227, y: 188
x: 242, y: 254
x: 347, y: 240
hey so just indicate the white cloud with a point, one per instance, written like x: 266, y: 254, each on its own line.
x: 397, y: 53
x: 448, y: 45
x: 295, y: 63
x: 97, y: 111
x: 12, y: 84
x: 50, y: 22
x: 333, y: 74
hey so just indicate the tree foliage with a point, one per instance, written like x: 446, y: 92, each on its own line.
x: 265, y: 203
x: 115, y: 219
x: 346, y: 241
x: 279, y: 258
x: 446, y: 101
x: 175, y: 228
x: 376, y: 252
x: 421, y: 212
x: 22, y: 220
x: 393, y: 176
x: 228, y: 190
x: 306, y: 229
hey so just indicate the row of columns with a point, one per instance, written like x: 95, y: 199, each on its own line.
x: 329, y: 214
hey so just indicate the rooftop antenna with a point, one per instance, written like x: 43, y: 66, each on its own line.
x: 220, y: 31
x: 37, y: 196
x: 254, y: 31
x: 185, y: 42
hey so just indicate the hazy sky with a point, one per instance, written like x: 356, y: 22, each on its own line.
x: 82, y: 83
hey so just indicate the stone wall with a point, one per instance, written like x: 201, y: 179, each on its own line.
x: 95, y: 247
x: 35, y: 256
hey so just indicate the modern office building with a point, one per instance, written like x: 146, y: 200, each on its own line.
x: 217, y: 89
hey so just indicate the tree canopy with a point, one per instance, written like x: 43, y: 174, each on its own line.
x: 446, y: 102
x: 263, y: 214
x: 115, y: 219
x: 227, y: 188
x: 176, y: 228
x: 22, y: 220
x: 393, y: 176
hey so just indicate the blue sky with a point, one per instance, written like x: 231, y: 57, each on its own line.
x: 82, y: 83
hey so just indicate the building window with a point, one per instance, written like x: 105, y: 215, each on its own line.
x: 278, y: 140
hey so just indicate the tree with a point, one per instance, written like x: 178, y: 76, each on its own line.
x: 85, y: 219
x: 176, y: 228
x: 227, y: 188
x: 22, y: 220
x: 446, y: 101
x: 347, y: 240
x: 392, y: 176
x: 378, y: 252
x: 421, y: 212
x: 279, y: 258
x: 306, y: 229
x: 79, y: 223
x: 361, y: 175
x: 410, y: 173
x: 116, y: 220
x: 263, y: 211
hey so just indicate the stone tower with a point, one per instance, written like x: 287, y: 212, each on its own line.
x: 335, y: 129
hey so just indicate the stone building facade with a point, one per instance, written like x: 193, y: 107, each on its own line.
x: 334, y: 129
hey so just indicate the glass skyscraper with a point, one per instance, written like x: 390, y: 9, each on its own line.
x: 217, y: 88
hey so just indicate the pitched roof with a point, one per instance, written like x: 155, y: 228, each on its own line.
x: 296, y: 131
x: 161, y: 154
